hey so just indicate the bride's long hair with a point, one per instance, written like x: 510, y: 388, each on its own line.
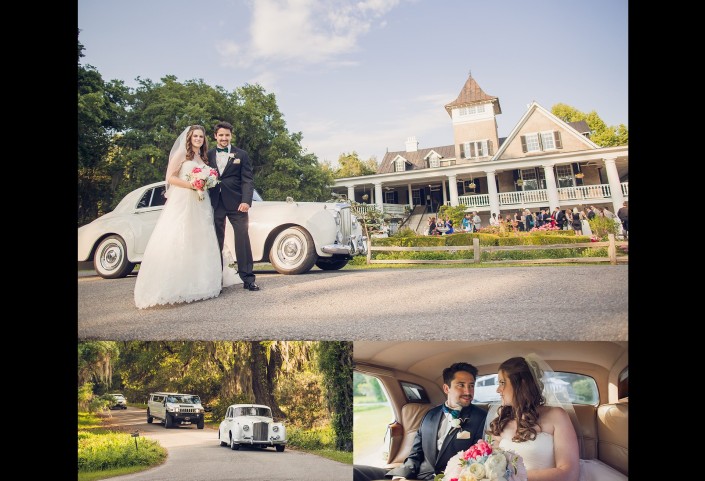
x: 528, y: 398
x: 202, y: 152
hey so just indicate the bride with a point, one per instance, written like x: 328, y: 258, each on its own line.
x: 182, y: 262
x: 533, y: 423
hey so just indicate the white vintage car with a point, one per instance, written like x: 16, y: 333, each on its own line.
x: 292, y: 236
x: 251, y: 424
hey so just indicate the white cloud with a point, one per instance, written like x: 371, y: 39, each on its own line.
x: 304, y: 31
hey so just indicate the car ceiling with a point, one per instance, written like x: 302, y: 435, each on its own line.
x: 427, y: 359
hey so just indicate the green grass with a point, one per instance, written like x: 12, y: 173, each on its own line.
x: 370, y: 427
x: 103, y: 453
x: 335, y: 455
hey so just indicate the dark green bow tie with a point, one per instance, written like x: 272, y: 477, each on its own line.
x: 455, y: 413
x: 218, y: 149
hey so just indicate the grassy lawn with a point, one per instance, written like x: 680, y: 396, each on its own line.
x: 368, y: 436
x: 103, y: 453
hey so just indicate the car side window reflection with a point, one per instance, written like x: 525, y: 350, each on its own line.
x: 152, y: 198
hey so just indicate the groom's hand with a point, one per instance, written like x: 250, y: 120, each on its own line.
x: 243, y: 207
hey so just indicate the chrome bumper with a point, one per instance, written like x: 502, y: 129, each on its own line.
x: 357, y: 246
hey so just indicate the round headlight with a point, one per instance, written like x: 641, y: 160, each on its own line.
x: 275, y: 429
x: 246, y: 427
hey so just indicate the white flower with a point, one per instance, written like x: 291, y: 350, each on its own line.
x: 455, y: 423
x: 478, y: 470
x: 495, y: 466
x: 468, y: 476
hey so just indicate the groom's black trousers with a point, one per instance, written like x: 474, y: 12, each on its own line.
x: 243, y: 250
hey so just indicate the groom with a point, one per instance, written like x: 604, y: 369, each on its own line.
x: 446, y: 429
x: 232, y: 198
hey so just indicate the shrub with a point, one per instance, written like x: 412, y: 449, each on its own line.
x: 601, y: 226
x: 98, y: 452
x: 311, y: 439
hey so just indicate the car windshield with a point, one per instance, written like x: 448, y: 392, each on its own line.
x: 183, y: 398
x: 253, y: 411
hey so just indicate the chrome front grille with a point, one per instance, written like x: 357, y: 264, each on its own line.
x: 346, y: 222
x: 183, y: 409
x: 260, y: 431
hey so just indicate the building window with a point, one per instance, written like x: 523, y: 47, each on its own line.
x: 475, y: 150
x: 471, y: 110
x: 540, y: 141
x: 434, y: 161
x: 416, y: 196
x: 399, y: 165
x: 547, y: 141
x: 564, y: 175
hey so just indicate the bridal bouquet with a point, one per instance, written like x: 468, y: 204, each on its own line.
x: 483, y: 462
x: 202, y: 178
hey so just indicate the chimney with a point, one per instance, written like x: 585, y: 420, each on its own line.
x: 412, y: 145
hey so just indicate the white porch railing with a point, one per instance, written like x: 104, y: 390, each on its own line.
x: 394, y: 209
x: 479, y: 200
x: 523, y: 197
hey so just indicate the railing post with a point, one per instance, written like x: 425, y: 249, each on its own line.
x: 476, y: 249
x: 612, y: 250
x: 369, y: 250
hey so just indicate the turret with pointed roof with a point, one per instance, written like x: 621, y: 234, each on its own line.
x: 473, y: 115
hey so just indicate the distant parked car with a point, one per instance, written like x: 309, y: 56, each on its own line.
x: 251, y: 424
x: 120, y: 401
x: 292, y: 236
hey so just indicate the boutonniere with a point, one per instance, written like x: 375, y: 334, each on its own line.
x: 456, y: 422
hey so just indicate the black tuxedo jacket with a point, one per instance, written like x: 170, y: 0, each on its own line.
x: 236, y: 180
x: 425, y: 460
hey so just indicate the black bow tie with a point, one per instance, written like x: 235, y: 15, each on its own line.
x: 218, y: 149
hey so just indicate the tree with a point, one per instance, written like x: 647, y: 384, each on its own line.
x: 266, y: 361
x: 335, y: 361
x: 602, y: 134
x: 350, y: 165
x: 95, y: 362
x: 101, y: 113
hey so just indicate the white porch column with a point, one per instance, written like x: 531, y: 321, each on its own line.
x: 379, y: 198
x: 443, y: 189
x: 551, y: 188
x: 615, y: 184
x: 494, y: 195
x: 453, y: 186
x: 351, y: 193
x: 411, y: 199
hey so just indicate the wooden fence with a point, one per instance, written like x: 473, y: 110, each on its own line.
x: 611, y: 245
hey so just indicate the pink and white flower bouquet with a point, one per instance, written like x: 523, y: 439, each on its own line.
x: 201, y: 179
x: 481, y: 462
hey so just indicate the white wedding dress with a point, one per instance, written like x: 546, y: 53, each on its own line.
x: 538, y: 454
x: 181, y: 262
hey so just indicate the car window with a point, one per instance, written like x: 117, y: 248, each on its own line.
x: 146, y: 199
x: 372, y: 412
x: 571, y: 387
x: 414, y: 393
x: 623, y: 384
x: 158, y: 197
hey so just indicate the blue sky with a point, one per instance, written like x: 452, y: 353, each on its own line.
x: 365, y: 75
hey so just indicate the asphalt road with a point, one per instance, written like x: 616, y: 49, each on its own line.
x: 196, y: 454
x: 581, y: 302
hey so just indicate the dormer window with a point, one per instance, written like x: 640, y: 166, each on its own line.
x: 475, y: 150
x: 541, y: 141
x: 399, y: 165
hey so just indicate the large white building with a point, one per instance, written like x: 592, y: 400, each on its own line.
x: 544, y: 162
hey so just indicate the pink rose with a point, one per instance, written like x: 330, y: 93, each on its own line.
x: 196, y: 170
x: 199, y: 184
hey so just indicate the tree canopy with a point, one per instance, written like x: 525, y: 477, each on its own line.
x: 350, y: 165
x: 125, y: 135
x: 602, y: 134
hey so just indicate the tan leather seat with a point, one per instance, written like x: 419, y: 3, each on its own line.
x: 613, y: 444
x: 404, y: 432
x: 586, y: 430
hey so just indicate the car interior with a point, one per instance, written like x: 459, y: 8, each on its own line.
x: 410, y: 374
